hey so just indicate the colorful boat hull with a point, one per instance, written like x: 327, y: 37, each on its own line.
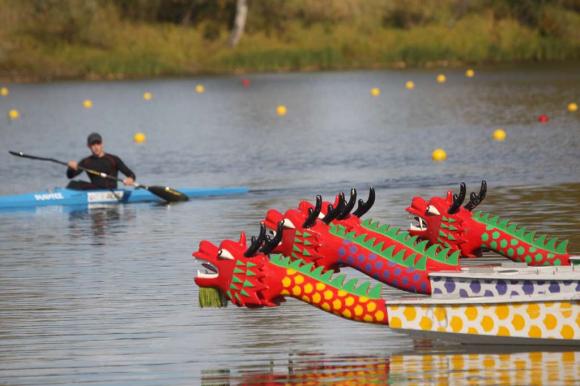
x: 492, y: 281
x: 68, y: 197
x: 540, y: 320
x: 496, y: 305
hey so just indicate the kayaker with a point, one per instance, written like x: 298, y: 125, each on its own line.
x: 101, y: 162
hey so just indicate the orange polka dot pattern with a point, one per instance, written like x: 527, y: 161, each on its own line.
x: 538, y: 320
x: 520, y: 368
x: 333, y: 300
x: 523, y: 368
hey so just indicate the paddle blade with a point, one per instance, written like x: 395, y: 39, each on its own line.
x: 211, y: 297
x: 168, y: 194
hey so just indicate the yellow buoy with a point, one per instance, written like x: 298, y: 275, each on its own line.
x: 139, y: 138
x: 572, y: 107
x: 499, y: 135
x: 441, y: 78
x: 199, y: 89
x: 13, y: 114
x: 439, y: 155
x: 147, y: 96
x: 281, y: 110
x: 375, y: 91
x: 410, y: 85
x: 4, y: 91
x: 87, y: 103
x: 470, y: 73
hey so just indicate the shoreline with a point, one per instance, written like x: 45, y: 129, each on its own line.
x: 395, y: 66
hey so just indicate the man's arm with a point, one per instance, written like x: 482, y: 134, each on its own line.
x: 73, y: 170
x: 126, y: 171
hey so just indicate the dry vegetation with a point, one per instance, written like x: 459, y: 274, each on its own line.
x: 47, y: 39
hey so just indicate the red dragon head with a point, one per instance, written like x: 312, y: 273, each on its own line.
x: 306, y: 233
x: 442, y: 220
x: 238, y: 271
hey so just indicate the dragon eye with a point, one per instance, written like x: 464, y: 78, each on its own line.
x: 432, y: 211
x: 224, y: 254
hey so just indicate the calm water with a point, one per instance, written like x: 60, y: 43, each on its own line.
x: 106, y: 295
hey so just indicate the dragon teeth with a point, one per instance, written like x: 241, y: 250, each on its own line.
x: 421, y: 226
x: 206, y: 275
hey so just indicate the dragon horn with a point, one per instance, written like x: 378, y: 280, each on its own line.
x: 313, y: 213
x: 364, y: 207
x: 457, y: 199
x: 349, y: 205
x: 483, y: 190
x: 256, y: 242
x: 476, y: 199
x: 330, y: 214
x: 340, y: 206
x: 274, y: 241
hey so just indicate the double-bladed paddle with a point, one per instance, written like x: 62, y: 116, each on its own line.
x: 164, y: 192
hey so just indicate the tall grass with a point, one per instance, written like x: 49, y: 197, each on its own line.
x: 94, y: 41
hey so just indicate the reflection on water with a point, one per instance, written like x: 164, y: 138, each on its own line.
x: 520, y: 368
x: 102, y: 219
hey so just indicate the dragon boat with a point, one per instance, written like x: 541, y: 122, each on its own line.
x: 299, y: 254
x: 442, y: 220
x: 69, y: 197
x: 250, y: 276
x: 330, y: 236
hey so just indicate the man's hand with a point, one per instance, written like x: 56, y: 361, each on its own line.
x: 129, y: 181
x: 74, y: 165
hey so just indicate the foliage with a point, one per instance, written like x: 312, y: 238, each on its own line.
x: 137, y: 38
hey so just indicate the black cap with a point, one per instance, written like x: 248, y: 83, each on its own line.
x: 94, y: 137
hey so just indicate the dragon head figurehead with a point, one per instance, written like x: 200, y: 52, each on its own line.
x: 307, y: 234
x: 290, y: 221
x: 442, y: 220
x: 239, y: 271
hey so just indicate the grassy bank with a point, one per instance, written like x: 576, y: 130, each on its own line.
x: 99, y: 43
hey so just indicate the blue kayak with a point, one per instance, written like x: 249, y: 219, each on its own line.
x: 62, y: 196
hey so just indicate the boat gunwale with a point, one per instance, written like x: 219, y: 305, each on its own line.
x: 475, y: 300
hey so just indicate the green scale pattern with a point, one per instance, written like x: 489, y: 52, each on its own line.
x: 517, y: 232
x: 445, y: 231
x: 239, y: 279
x: 301, y: 238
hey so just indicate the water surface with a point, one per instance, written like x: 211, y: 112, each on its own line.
x: 106, y: 296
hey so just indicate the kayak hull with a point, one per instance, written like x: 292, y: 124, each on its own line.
x: 69, y: 197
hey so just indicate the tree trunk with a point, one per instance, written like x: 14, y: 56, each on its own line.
x: 186, y: 19
x: 239, y: 22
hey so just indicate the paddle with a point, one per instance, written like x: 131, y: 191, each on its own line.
x: 164, y: 192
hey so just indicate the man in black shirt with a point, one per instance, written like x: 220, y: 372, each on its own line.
x: 102, y: 162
